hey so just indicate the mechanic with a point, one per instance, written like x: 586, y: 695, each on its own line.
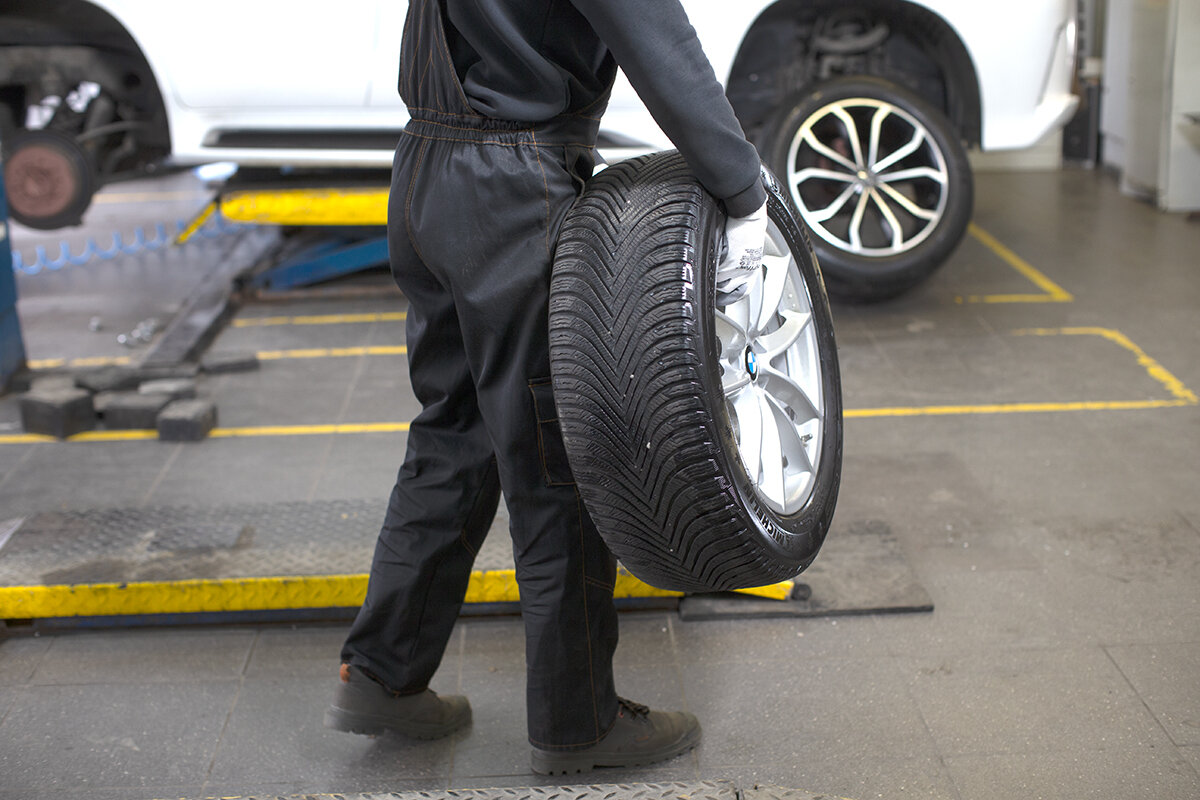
x: 505, y: 98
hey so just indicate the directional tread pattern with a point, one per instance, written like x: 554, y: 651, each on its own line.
x: 631, y: 382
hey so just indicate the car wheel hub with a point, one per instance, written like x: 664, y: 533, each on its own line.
x: 868, y: 177
x: 771, y: 377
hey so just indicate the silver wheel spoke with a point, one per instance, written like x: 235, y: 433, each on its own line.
x: 790, y: 395
x: 830, y: 211
x: 908, y: 205
x: 771, y: 458
x: 893, y: 223
x: 732, y: 334
x: 772, y: 289
x: 851, y: 134
x: 828, y: 152
x: 916, y: 172
x: 813, y: 173
x: 750, y: 431
x: 776, y: 343
x: 876, y: 125
x: 856, y: 222
x: 902, y: 152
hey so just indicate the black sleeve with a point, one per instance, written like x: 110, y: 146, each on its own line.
x: 656, y: 45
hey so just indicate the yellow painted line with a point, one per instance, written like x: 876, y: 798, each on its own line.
x: 1052, y: 292
x: 307, y: 206
x: 1154, y: 369
x: 197, y: 223
x: 332, y: 352
x: 260, y: 594
x: 93, y: 361
x: 263, y: 355
x: 320, y: 319
x: 1012, y: 408
x: 309, y: 430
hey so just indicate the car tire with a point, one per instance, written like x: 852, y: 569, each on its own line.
x: 881, y: 179
x: 661, y: 404
x: 49, y: 179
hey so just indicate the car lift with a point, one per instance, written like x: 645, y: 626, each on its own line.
x: 341, y: 219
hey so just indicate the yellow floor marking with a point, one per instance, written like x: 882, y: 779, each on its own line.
x: 93, y: 361
x: 1052, y: 292
x: 1181, y: 396
x: 349, y: 206
x: 320, y: 319
x: 258, y: 594
x: 309, y: 430
x: 263, y: 355
x: 1154, y: 369
x: 332, y: 352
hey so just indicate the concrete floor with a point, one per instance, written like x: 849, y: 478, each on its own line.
x: 1036, y: 457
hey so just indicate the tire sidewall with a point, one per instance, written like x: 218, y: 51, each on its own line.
x: 867, y: 278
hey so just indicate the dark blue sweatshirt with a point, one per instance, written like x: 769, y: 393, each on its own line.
x: 531, y: 60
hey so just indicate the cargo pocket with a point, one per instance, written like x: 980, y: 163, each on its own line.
x: 555, y: 468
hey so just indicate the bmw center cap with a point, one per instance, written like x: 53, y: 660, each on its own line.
x: 751, y: 364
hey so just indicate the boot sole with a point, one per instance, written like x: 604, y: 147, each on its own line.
x: 548, y: 763
x: 339, y: 719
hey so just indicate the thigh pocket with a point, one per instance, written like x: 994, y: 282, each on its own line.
x: 555, y: 468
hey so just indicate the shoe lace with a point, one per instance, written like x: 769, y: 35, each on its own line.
x: 635, y: 709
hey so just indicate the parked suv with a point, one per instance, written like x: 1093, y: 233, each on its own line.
x: 863, y: 108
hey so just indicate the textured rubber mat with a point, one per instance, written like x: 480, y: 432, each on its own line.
x: 703, y: 790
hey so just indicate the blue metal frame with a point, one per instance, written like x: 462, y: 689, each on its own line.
x: 12, y: 346
x: 332, y: 258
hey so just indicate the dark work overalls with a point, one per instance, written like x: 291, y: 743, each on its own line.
x: 475, y: 207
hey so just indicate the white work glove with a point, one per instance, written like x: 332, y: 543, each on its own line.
x: 742, y: 255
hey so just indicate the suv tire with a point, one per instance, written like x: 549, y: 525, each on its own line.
x: 665, y: 400
x: 880, y: 178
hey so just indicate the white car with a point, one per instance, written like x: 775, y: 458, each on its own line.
x: 862, y: 107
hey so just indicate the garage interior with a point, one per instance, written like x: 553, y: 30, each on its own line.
x: 1007, y: 604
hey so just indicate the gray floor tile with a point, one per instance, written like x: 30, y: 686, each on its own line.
x: 300, y: 391
x: 494, y: 643
x: 1077, y: 774
x: 1028, y: 701
x: 1167, y: 679
x: 145, y: 657
x: 1192, y: 756
x: 242, y: 471
x: 324, y: 790
x: 117, y: 735
x: 716, y: 641
x: 106, y: 793
x: 275, y: 735
x: 497, y: 743
x: 310, y: 651
x: 776, y: 712
x: 976, y: 611
x: 20, y: 656
x: 647, y: 640
x: 63, y: 476
x: 361, y: 465
x: 830, y: 773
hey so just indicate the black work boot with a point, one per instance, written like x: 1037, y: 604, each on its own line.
x: 638, y: 736
x: 362, y: 705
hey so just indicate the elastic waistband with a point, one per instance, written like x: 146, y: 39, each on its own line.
x: 573, y: 130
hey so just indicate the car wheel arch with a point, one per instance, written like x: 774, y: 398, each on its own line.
x: 932, y: 35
